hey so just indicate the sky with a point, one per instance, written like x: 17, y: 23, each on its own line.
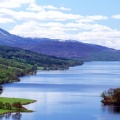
x: 88, y: 21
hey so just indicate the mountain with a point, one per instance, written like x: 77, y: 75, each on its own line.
x: 65, y: 49
x: 75, y: 50
x: 15, y: 62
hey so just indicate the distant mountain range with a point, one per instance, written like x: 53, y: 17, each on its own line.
x: 66, y: 49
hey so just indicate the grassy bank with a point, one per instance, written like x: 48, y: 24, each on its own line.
x: 10, y: 105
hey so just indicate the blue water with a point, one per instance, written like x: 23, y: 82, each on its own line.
x: 72, y: 94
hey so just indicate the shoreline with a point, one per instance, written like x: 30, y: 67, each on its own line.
x: 26, y: 103
x: 35, y: 71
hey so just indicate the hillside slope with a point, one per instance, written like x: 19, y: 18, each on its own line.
x: 15, y: 62
x: 77, y: 50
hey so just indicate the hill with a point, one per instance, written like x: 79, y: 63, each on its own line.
x: 15, y: 62
x: 66, y: 49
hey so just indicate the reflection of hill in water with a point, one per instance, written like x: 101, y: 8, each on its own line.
x: 111, y: 108
x: 14, y: 116
x: 1, y: 91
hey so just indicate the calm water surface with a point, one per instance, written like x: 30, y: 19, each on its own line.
x: 72, y: 94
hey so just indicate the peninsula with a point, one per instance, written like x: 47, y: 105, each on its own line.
x: 11, y: 105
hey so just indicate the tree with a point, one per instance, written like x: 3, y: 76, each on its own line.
x: 17, y: 105
x: 8, y: 106
x: 1, y: 105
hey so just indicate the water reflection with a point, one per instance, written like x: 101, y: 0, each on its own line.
x: 14, y: 116
x: 111, y: 108
x: 1, y: 116
x: 1, y: 91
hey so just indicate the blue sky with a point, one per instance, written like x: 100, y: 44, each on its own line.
x: 89, y: 21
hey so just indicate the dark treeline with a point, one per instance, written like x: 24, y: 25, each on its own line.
x: 15, y: 62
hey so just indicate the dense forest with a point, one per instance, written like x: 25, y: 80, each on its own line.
x: 15, y: 62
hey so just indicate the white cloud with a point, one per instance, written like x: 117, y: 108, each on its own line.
x: 109, y: 37
x: 14, y: 3
x: 88, y: 19
x: 38, y: 13
x: 61, y: 16
x: 6, y: 20
x: 35, y: 7
x: 50, y: 7
x: 66, y: 9
x: 116, y: 16
x: 40, y: 30
x: 41, y: 15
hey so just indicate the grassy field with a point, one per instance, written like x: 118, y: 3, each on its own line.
x: 13, y: 100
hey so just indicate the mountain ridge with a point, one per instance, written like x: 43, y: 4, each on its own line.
x: 65, y: 49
